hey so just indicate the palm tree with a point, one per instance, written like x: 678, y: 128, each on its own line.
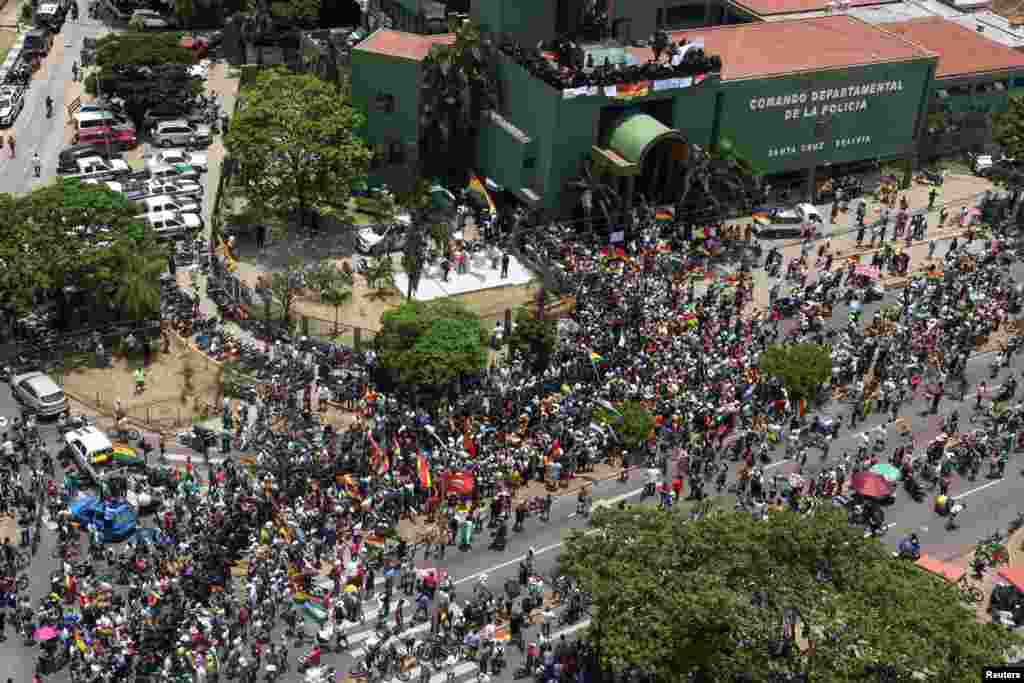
x: 459, y: 84
x: 135, y: 274
x: 596, y: 194
x: 413, y: 258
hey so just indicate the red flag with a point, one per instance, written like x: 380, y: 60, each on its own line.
x: 375, y: 453
x: 555, y: 450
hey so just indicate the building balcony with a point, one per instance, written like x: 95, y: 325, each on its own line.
x: 613, y: 69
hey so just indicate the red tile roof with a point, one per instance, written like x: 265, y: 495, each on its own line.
x: 403, y: 45
x: 791, y: 46
x: 765, y: 8
x: 961, y: 51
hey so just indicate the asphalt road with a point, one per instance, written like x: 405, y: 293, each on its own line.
x: 32, y: 131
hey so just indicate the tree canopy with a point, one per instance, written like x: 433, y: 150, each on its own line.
x: 62, y: 234
x: 294, y: 140
x: 630, y: 420
x: 534, y: 338
x: 1009, y: 129
x: 145, y: 69
x: 459, y: 83
x: 802, y: 368
x: 431, y: 344
x: 732, y: 598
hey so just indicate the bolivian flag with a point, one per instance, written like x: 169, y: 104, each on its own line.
x: 423, y: 471
x: 477, y: 188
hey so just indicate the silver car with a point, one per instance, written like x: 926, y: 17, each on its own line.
x: 38, y: 392
x: 181, y: 133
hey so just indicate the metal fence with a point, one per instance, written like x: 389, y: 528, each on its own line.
x: 158, y: 416
x: 342, y: 334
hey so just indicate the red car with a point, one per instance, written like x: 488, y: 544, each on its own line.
x: 118, y: 138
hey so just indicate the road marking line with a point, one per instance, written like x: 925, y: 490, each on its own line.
x: 608, y: 502
x: 971, y: 492
x: 868, y: 534
x: 777, y: 464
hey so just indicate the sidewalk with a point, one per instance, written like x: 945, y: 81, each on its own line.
x: 220, y: 80
x: 841, y: 237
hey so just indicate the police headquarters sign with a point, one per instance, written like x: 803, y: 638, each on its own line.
x: 826, y: 102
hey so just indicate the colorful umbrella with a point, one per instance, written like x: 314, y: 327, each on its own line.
x: 891, y: 473
x: 871, y: 485
x: 45, y: 633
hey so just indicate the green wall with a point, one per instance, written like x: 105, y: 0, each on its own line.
x: 500, y: 154
x: 374, y: 74
x: 527, y: 21
x: 777, y: 136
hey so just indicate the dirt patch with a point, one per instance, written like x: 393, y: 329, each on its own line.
x: 161, y: 406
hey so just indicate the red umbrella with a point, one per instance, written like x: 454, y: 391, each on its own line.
x: 461, y: 483
x: 871, y: 485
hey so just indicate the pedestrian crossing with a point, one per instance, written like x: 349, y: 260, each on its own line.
x: 363, y: 635
x: 453, y: 671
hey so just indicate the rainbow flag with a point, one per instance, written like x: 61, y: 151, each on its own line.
x: 596, y: 357
x: 423, y: 470
x: 478, y: 188
x: 627, y: 91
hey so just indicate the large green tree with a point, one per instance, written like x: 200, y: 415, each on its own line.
x: 534, y: 338
x: 730, y: 598
x: 128, y: 278
x: 294, y: 140
x: 431, y: 344
x: 60, y: 235
x: 145, y: 69
x: 802, y: 368
x: 1009, y: 129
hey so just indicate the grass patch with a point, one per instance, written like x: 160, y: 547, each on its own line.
x: 7, y: 38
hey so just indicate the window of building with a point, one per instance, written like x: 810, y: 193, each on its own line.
x: 385, y: 103
x: 959, y: 90
x: 396, y: 153
x: 530, y: 163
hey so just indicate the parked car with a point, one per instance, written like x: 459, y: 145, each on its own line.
x: 152, y: 20
x: 39, y: 393
x: 66, y: 160
x: 12, y: 101
x: 167, y: 203
x: 95, y: 166
x: 181, y: 171
x: 171, y: 224
x: 384, y: 238
x: 179, y: 133
x: 181, y: 158
x: 37, y: 45
x: 117, y: 138
x: 115, y: 520
x: 786, y: 221
x: 51, y: 15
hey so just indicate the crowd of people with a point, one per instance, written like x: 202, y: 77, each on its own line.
x: 302, y: 528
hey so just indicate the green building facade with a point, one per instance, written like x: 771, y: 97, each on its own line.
x: 786, y: 115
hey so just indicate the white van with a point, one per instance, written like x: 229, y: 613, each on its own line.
x: 86, y: 120
x: 168, y: 203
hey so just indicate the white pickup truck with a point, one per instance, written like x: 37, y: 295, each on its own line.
x: 97, y: 167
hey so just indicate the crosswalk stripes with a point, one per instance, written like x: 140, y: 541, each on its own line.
x: 462, y: 672
x: 365, y: 633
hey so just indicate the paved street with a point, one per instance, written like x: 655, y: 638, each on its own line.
x: 32, y: 131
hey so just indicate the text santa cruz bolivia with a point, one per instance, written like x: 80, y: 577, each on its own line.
x: 823, y: 102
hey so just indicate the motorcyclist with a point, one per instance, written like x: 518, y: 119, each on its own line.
x: 500, y: 536
x: 910, y: 547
